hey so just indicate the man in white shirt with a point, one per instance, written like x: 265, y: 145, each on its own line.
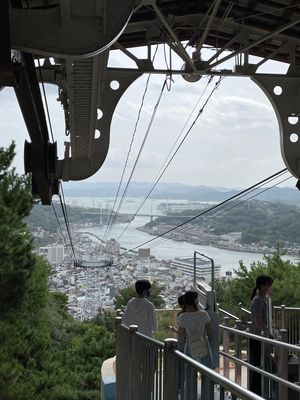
x: 140, y: 311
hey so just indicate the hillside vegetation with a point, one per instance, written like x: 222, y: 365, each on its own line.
x: 45, y: 354
x: 258, y: 221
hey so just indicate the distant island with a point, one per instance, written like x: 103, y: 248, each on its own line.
x: 254, y: 226
x: 175, y: 191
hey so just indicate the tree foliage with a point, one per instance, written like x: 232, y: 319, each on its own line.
x: 45, y: 354
x: 238, y: 290
x: 127, y: 293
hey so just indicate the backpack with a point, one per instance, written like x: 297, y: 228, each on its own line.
x: 197, y: 346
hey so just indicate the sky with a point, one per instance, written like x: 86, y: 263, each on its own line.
x: 234, y: 143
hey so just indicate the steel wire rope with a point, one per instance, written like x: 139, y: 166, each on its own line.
x: 167, y: 163
x: 127, y: 158
x: 67, y: 221
x: 208, y: 210
x: 224, y: 206
x: 45, y: 100
x: 59, y: 225
x: 235, y: 203
x: 139, y: 152
x: 65, y: 215
x: 129, y: 150
x: 168, y: 67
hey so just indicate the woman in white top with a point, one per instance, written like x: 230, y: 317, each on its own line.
x: 195, y: 325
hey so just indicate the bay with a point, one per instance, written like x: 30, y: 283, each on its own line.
x: 161, y: 249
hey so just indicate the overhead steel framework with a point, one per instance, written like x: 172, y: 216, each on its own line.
x: 72, y: 40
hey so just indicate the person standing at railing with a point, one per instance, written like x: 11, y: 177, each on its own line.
x: 195, y: 325
x: 260, y: 326
x: 180, y: 339
x: 140, y: 311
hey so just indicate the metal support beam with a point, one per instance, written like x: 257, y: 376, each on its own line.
x: 284, y: 95
x: 8, y: 71
x: 40, y: 155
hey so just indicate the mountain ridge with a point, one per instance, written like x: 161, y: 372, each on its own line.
x: 175, y: 191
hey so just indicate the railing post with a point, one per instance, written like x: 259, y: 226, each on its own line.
x: 249, y: 324
x: 174, y: 319
x: 226, y: 348
x: 119, y: 312
x: 283, y: 365
x: 283, y: 316
x: 170, y: 370
x: 238, y: 353
x: 134, y: 389
x: 240, y: 311
x: 120, y: 395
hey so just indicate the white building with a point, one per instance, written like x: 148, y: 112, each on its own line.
x: 55, y: 254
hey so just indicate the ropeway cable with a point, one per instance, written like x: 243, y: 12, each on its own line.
x: 140, y: 151
x: 127, y: 158
x: 129, y: 150
x: 208, y: 210
x: 61, y: 202
x: 65, y: 215
x: 45, y: 100
x: 236, y: 203
x: 167, y: 163
x: 59, y: 225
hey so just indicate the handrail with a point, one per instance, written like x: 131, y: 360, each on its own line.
x: 245, y: 310
x: 286, y: 308
x: 217, y: 378
x: 166, y: 363
x: 261, y: 372
x: 262, y: 338
x: 149, y: 339
x: 228, y: 314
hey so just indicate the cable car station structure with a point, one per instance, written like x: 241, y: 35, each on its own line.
x: 67, y: 43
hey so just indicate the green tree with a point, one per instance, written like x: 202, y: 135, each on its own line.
x: 45, y: 354
x: 238, y: 290
x: 127, y: 293
x: 23, y: 290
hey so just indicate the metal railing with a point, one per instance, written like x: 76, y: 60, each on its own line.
x: 288, y: 318
x: 283, y: 318
x: 274, y: 367
x: 151, y: 370
x: 138, y: 365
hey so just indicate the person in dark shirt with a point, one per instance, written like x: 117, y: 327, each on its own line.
x: 260, y: 326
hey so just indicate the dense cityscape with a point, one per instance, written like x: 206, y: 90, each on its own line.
x: 102, y: 268
x: 92, y: 283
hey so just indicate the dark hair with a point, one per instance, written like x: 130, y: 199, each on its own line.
x: 141, y: 285
x: 190, y: 298
x: 261, y: 280
x: 180, y: 300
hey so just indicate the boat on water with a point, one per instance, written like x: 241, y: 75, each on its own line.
x: 203, y: 270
